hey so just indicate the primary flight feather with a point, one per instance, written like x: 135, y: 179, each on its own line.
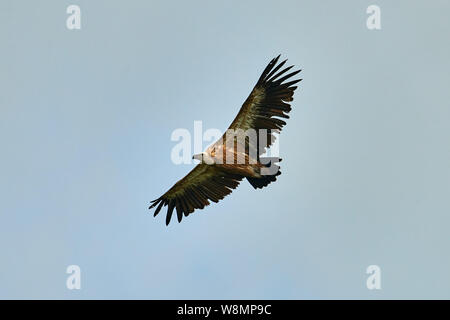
x: 216, y: 176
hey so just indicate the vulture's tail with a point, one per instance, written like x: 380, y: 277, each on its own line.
x: 273, y: 169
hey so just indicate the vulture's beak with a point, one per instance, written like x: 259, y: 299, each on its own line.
x: 198, y: 156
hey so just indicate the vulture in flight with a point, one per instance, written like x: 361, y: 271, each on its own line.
x: 216, y: 176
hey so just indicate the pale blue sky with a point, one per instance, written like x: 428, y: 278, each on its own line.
x: 85, y: 124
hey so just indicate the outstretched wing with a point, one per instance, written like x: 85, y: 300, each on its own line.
x: 267, y: 103
x: 194, y: 191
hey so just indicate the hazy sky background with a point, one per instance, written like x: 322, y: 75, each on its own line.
x: 85, y: 123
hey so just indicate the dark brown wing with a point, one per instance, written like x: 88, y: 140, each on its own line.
x: 268, y: 102
x: 194, y: 191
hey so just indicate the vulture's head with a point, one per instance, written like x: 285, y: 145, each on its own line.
x: 203, y: 157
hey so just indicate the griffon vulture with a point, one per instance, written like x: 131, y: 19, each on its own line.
x: 216, y: 176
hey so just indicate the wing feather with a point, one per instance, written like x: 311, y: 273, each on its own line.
x: 203, y: 183
x: 267, y: 102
